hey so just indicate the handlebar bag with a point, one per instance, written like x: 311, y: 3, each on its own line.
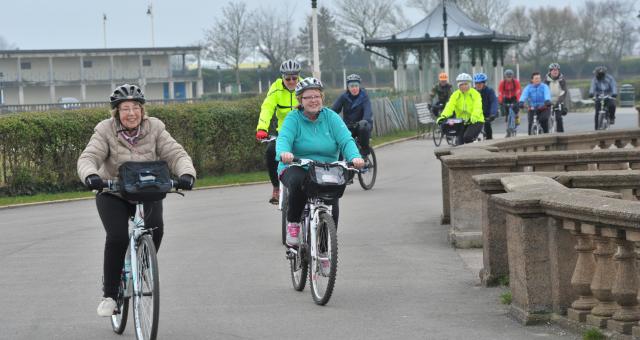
x: 144, y: 181
x: 327, y: 181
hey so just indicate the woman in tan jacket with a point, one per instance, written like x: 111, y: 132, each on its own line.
x: 129, y: 135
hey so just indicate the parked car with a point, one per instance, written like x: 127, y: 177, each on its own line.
x: 69, y: 103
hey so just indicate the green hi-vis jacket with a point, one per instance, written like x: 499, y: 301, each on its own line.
x: 279, y: 101
x: 467, y: 106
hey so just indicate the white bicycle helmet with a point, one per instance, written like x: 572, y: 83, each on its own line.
x: 463, y: 78
x: 308, y: 83
x: 290, y: 67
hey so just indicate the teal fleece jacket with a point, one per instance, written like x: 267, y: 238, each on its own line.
x: 321, y: 140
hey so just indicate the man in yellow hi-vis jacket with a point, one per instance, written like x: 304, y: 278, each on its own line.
x: 281, y: 99
x: 466, y: 102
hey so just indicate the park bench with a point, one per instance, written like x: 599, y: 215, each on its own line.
x: 575, y: 96
x: 425, y: 118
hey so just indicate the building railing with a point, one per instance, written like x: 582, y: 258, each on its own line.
x: 9, y: 109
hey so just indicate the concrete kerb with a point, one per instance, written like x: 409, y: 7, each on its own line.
x: 12, y: 206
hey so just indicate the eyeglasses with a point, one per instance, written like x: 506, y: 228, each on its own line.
x: 311, y: 97
x: 128, y: 110
x: 353, y: 86
x: 291, y: 78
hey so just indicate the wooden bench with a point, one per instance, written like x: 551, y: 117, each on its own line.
x: 425, y: 119
x: 575, y: 96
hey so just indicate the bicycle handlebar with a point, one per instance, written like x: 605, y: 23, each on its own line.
x: 268, y: 139
x: 305, y: 161
x: 113, y: 185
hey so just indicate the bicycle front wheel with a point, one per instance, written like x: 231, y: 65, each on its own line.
x: 324, y: 263
x: 146, y: 296
x: 437, y: 135
x: 119, y: 319
x: 367, y: 176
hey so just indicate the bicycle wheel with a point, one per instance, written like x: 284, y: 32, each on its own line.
x: 437, y: 135
x: 552, y: 123
x: 603, y: 122
x: 146, y: 296
x: 284, y: 203
x: 119, y: 319
x: 299, y: 268
x: 367, y: 176
x: 324, y: 264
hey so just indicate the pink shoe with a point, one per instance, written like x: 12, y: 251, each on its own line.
x: 293, y: 230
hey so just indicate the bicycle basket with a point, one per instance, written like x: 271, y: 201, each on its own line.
x: 144, y: 181
x: 327, y: 181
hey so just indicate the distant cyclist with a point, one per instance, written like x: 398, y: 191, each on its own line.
x: 355, y: 106
x: 604, y: 84
x: 489, y: 102
x: 440, y: 93
x: 509, y: 93
x: 558, y: 87
x: 538, y: 97
x: 281, y: 99
x: 466, y: 102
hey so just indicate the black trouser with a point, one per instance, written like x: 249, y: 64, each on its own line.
x: 294, y: 178
x: 488, y: 131
x: 467, y: 133
x: 505, y: 109
x: 114, y: 213
x: 272, y: 164
x: 559, y: 122
x: 362, y: 132
x: 543, y: 118
x: 611, y: 107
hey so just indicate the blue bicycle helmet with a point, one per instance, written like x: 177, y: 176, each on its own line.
x: 480, y: 78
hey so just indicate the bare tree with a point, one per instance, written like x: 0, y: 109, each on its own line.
x: 616, y: 32
x: 368, y: 19
x: 425, y: 6
x: 5, y: 45
x: 273, y: 36
x: 488, y: 13
x: 585, y: 35
x: 229, y: 40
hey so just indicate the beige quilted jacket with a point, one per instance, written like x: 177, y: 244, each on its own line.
x: 106, y: 150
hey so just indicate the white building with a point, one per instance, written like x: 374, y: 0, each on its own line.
x: 90, y: 75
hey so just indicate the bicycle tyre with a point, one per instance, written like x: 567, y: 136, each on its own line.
x: 299, y: 269
x: 536, y: 129
x: 603, y: 123
x: 322, y: 284
x: 368, y: 178
x: 552, y: 124
x: 119, y: 320
x: 285, y: 205
x: 437, y: 135
x: 147, y: 278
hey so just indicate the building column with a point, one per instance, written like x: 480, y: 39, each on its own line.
x: 52, y: 86
x: 83, y: 85
x: 200, y: 83
x: 20, y: 87
x: 113, y: 85
x: 141, y: 79
x: 188, y: 89
x: 170, y: 86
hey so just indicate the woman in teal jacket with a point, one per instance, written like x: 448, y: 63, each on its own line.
x: 313, y: 132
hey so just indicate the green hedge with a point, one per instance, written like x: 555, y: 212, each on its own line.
x: 39, y: 151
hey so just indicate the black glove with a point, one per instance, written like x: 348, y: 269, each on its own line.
x: 614, y: 95
x: 94, y: 182
x: 490, y: 119
x: 521, y: 105
x: 547, y: 103
x: 186, y: 182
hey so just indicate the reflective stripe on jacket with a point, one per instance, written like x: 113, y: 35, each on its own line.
x: 467, y: 106
x: 280, y: 101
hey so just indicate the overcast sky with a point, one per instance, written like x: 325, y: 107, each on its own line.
x: 64, y: 24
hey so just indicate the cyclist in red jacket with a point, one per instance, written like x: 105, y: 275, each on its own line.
x: 509, y: 93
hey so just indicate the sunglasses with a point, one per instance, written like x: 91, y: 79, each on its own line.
x: 291, y: 78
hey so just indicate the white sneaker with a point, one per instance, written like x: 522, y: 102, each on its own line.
x: 293, y: 230
x: 107, y: 307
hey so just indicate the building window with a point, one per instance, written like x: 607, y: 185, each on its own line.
x: 87, y: 63
x: 146, y: 62
x: 25, y: 65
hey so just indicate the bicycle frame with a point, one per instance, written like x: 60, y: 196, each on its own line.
x: 603, y: 113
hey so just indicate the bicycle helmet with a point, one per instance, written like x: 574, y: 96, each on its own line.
x: 600, y: 70
x: 554, y: 66
x: 290, y: 67
x: 463, y: 78
x: 480, y: 78
x: 307, y: 84
x: 353, y: 78
x: 126, y: 92
x: 508, y: 73
x: 443, y: 76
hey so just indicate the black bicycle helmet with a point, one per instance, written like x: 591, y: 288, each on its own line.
x: 126, y: 92
x: 354, y: 78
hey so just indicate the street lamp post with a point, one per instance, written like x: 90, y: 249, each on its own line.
x: 445, y: 42
x: 259, y: 79
x: 316, y: 53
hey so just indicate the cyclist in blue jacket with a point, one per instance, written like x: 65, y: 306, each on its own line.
x: 489, y: 102
x: 538, y: 97
x: 356, y: 111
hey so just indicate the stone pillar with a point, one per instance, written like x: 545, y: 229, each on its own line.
x: 582, y: 278
x: 624, y: 289
x: 602, y: 283
x: 445, y: 218
x: 494, y: 239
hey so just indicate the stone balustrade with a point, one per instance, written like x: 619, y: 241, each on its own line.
x: 462, y: 200
x: 571, y: 252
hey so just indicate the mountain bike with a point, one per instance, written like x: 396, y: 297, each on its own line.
x: 512, y: 127
x: 140, y: 278
x: 603, y: 114
x: 367, y: 175
x: 536, y: 128
x: 317, y: 253
x: 552, y: 120
x: 437, y: 129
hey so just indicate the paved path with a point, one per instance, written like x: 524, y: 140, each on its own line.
x: 224, y: 275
